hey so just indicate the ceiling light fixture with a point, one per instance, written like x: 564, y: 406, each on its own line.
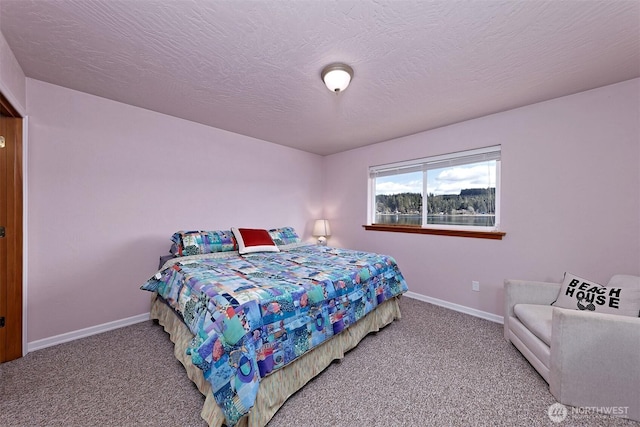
x: 337, y: 76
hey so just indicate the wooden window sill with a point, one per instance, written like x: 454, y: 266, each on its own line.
x: 495, y: 235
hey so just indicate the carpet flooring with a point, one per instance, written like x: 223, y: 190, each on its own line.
x: 434, y: 367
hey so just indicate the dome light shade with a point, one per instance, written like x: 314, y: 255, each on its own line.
x: 337, y: 77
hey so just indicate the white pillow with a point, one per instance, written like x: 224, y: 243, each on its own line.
x: 624, y: 281
x: 580, y: 294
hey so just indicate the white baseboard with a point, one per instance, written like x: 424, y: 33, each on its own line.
x: 93, y: 330
x: 82, y: 333
x: 461, y: 308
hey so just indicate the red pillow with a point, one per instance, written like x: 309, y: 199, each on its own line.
x: 251, y: 240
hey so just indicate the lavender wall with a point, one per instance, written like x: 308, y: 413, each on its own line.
x: 570, y: 198
x: 12, y: 79
x: 108, y: 185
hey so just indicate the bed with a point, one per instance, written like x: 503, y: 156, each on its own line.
x: 253, y: 319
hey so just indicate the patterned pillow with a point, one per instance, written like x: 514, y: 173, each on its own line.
x: 202, y: 242
x: 284, y: 236
x: 577, y: 293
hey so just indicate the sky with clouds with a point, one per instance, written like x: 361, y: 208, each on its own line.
x: 440, y: 181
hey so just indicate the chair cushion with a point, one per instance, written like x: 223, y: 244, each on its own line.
x: 537, y: 318
x: 622, y: 297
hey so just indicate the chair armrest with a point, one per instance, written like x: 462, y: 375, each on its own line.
x: 595, y: 359
x: 526, y: 292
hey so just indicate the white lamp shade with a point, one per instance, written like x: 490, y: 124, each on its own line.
x: 321, y: 228
x: 337, y: 77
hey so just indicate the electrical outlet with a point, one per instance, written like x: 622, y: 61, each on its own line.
x: 475, y: 286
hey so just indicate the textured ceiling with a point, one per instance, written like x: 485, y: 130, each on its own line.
x: 253, y: 67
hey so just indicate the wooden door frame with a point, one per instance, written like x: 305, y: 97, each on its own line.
x: 11, y: 337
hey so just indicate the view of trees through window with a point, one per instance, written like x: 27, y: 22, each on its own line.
x: 463, y: 195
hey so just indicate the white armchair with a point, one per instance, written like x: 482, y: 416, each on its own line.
x: 588, y: 359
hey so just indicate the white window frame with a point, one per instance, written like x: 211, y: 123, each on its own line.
x: 437, y: 162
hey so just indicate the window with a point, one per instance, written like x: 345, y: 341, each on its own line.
x: 458, y: 191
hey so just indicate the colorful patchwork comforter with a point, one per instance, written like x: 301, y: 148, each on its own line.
x: 251, y: 315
